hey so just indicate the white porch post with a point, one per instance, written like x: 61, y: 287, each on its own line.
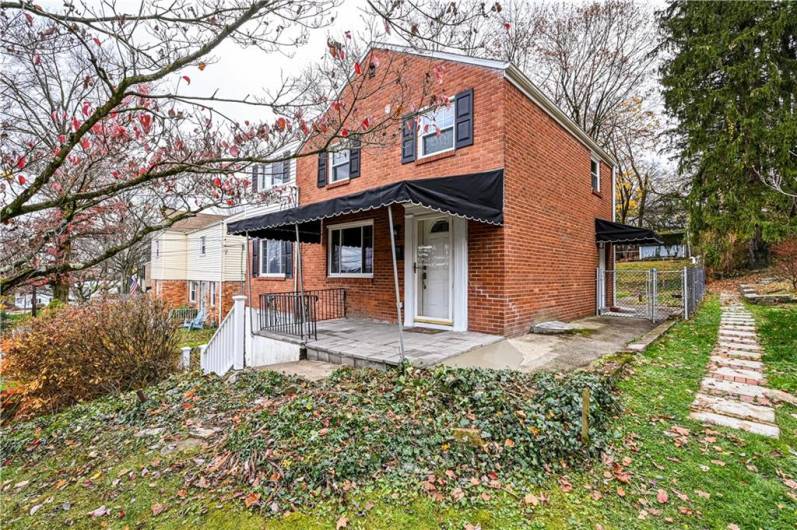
x: 239, y: 307
x: 396, y: 282
x: 300, y: 280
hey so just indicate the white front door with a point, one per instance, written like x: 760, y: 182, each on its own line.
x: 433, y: 270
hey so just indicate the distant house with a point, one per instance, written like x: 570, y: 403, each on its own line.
x: 24, y: 299
x: 674, y: 246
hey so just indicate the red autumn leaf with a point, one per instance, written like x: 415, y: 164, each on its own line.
x: 281, y: 123
x: 86, y: 108
x: 37, y: 59
x: 365, y: 123
x: 29, y: 18
x: 234, y: 151
x: 217, y: 182
x: 344, y: 132
x: 507, y: 26
x: 85, y: 143
x: 22, y: 162
x: 97, y: 41
x: 22, y: 180
x: 201, y: 66
x: 358, y: 69
x: 187, y: 79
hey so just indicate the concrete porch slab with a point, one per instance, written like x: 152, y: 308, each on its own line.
x: 533, y: 352
x: 370, y: 343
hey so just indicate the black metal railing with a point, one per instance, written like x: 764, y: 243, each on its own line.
x: 297, y: 314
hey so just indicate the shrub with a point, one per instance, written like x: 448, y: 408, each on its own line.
x: 77, y: 353
x: 785, y: 254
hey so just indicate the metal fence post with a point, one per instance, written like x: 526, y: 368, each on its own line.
x: 685, y: 292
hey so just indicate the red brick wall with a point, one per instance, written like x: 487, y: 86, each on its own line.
x: 173, y: 292
x: 550, y: 211
x: 540, y: 265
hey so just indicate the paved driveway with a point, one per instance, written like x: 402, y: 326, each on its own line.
x: 600, y: 336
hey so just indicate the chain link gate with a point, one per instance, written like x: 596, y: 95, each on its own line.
x: 650, y: 294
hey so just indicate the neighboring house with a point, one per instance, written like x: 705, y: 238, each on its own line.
x: 195, y: 263
x: 502, y: 208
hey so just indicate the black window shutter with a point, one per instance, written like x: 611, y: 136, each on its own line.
x: 255, y: 257
x: 408, y: 140
x: 464, y: 118
x: 322, y: 169
x: 286, y: 171
x: 287, y: 256
x: 255, y: 178
x: 354, y: 158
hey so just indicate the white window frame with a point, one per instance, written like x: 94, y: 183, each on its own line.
x: 342, y: 226
x: 451, y: 106
x: 203, y: 248
x: 595, y: 177
x: 331, y: 166
x: 264, y: 260
x: 212, y: 293
x: 193, y: 289
x: 266, y: 176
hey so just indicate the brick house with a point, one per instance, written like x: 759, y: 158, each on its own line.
x: 494, y: 198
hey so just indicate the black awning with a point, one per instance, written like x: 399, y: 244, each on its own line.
x: 477, y: 196
x: 610, y: 232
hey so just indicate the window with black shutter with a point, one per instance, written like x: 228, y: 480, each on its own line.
x: 463, y: 103
x: 354, y: 158
x: 408, y: 140
x: 255, y: 256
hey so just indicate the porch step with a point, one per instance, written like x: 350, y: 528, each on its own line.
x: 741, y: 391
x: 736, y: 353
x: 332, y: 357
x: 738, y: 375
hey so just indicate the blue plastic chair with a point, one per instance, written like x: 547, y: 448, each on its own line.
x: 198, y: 322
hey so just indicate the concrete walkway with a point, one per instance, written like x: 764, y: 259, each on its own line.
x: 599, y: 336
x: 733, y: 394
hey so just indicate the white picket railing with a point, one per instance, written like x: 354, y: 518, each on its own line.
x: 225, y: 349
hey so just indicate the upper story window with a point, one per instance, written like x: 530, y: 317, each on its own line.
x: 436, y: 131
x: 339, y: 164
x: 202, y: 246
x: 266, y: 176
x: 595, y: 172
x: 351, y: 250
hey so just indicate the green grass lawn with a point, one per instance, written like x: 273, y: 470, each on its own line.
x: 195, y: 337
x: 662, y: 470
x: 660, y: 264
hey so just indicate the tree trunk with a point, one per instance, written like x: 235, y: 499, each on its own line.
x: 60, y: 287
x: 758, y: 250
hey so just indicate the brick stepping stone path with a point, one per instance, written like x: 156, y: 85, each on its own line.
x: 733, y: 394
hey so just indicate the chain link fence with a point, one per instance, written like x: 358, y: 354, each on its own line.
x: 650, y: 294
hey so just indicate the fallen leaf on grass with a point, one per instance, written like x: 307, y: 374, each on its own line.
x: 565, y: 484
x: 702, y: 494
x: 621, y: 491
x: 792, y: 484
x: 251, y: 499
x: 100, y: 512
x: 733, y: 526
x: 158, y: 508
x: 343, y: 522
x: 457, y: 494
x: 596, y: 495
x: 531, y: 499
x: 662, y: 496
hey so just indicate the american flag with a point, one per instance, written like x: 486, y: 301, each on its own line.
x: 133, y: 284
